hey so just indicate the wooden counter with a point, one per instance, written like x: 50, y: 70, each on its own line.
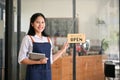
x: 87, y: 68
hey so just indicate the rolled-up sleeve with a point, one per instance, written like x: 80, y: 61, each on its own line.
x: 24, y: 48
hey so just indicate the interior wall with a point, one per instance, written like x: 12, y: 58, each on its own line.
x: 50, y: 8
x: 87, y: 11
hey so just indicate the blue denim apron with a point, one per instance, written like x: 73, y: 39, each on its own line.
x: 40, y: 71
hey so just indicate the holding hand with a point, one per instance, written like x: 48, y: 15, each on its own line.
x: 65, y: 46
x: 43, y: 61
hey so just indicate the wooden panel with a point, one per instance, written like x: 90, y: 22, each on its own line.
x: 87, y: 68
x: 56, y: 70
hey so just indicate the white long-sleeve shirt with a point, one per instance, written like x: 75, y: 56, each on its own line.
x: 27, y: 45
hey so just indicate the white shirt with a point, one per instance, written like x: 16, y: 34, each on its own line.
x: 26, y: 46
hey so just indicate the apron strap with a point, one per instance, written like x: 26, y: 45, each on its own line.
x: 31, y: 38
x: 48, y: 39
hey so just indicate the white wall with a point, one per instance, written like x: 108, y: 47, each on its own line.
x: 86, y: 10
x: 50, y: 8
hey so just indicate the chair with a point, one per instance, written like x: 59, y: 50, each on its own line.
x: 109, y: 70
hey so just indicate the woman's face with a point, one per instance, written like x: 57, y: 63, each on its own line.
x: 39, y: 24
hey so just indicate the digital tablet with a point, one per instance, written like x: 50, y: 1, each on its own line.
x: 36, y: 56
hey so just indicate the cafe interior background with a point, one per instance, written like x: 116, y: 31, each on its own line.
x: 97, y: 19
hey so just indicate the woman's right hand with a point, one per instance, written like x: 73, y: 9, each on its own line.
x: 43, y: 61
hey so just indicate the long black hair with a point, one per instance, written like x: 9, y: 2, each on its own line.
x: 31, y: 30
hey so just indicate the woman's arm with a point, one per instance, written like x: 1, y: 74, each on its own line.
x: 23, y: 53
x: 60, y: 52
x: 28, y: 61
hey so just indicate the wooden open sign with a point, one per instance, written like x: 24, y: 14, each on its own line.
x: 76, y: 38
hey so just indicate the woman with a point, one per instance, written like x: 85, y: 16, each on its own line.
x: 37, y: 41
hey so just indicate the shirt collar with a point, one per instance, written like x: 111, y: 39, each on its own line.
x: 38, y: 36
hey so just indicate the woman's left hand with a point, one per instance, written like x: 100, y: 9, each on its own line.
x: 66, y: 45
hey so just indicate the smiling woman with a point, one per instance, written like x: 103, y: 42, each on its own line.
x: 36, y: 41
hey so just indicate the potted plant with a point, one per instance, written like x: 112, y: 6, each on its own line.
x: 104, y: 46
